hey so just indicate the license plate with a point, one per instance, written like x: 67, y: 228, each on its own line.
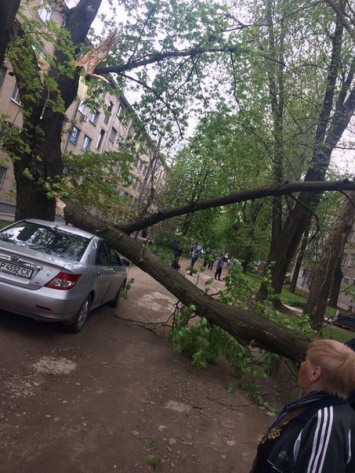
x: 16, y: 270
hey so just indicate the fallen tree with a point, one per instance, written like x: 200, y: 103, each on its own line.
x: 246, y: 327
x: 250, y: 194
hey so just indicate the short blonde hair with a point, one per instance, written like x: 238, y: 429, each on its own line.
x: 337, y: 364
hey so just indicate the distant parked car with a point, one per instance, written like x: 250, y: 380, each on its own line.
x: 56, y: 272
x: 345, y: 320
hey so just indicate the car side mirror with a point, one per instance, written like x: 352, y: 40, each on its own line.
x: 125, y: 262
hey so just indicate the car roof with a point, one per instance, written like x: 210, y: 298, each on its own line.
x: 60, y: 226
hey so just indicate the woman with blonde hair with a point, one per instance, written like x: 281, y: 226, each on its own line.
x: 316, y: 433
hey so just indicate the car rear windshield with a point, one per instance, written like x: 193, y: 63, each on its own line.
x: 52, y: 241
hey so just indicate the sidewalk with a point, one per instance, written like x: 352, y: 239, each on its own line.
x: 8, y: 217
x: 7, y: 211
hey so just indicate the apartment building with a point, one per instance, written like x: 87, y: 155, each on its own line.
x: 114, y: 127
x: 109, y: 127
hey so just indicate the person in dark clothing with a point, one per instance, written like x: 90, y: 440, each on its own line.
x: 351, y: 398
x: 207, y: 257
x: 177, y: 255
x: 351, y: 344
x: 195, y: 256
x: 220, y: 263
x: 212, y: 259
x: 316, y: 433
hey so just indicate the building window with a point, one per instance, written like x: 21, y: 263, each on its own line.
x: 94, y: 115
x: 109, y: 111
x: 100, y: 139
x: 113, y: 134
x: 82, y: 106
x: 86, y: 143
x: 120, y: 110
x: 45, y: 13
x: 38, y: 50
x: 16, y: 95
x: 2, y: 175
x: 74, y: 135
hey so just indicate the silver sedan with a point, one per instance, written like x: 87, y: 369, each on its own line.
x: 56, y: 272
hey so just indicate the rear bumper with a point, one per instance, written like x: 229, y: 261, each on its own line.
x: 43, y: 304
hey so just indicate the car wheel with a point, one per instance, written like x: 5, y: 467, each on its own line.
x: 116, y: 299
x: 78, y: 322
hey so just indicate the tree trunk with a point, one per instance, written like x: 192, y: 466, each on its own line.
x: 275, y: 72
x: 38, y: 165
x: 244, y: 326
x: 335, y: 290
x: 332, y: 251
x: 33, y: 198
x: 8, y: 10
x: 299, y: 259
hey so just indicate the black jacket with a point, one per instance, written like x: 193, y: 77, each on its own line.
x: 320, y: 440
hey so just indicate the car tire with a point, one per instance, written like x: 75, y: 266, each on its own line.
x: 78, y: 322
x: 116, y: 299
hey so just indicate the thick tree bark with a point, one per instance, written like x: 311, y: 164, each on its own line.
x: 244, y: 326
x: 32, y: 198
x: 335, y: 290
x: 347, y: 20
x: 299, y: 259
x: 332, y: 251
x: 276, y: 92
x: 8, y: 10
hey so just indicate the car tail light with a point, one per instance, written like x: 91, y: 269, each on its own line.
x: 64, y: 281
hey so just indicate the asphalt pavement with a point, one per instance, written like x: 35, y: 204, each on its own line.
x: 7, y: 211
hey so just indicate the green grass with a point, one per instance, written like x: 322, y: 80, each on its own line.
x: 337, y: 333
x: 4, y: 223
x: 298, y: 299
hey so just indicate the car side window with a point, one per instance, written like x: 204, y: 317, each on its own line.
x: 115, y: 259
x: 103, y: 254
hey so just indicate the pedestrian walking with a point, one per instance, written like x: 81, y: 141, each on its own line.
x: 195, y: 256
x: 177, y: 254
x: 220, y: 263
